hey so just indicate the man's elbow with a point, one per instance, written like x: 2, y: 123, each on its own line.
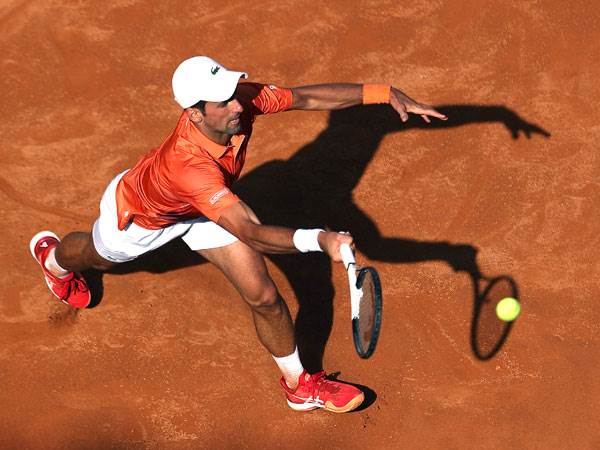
x: 249, y: 236
x: 240, y: 224
x: 299, y: 101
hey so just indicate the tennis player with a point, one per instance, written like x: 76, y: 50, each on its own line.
x: 183, y: 188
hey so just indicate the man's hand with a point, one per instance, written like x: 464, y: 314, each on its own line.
x: 403, y: 104
x: 330, y: 242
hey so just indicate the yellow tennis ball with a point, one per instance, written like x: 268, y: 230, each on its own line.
x: 508, y: 309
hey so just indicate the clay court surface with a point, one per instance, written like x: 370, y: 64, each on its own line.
x: 168, y: 358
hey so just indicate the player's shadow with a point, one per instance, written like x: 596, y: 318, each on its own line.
x: 313, y: 188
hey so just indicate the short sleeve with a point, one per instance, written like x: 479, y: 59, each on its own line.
x: 203, y: 186
x: 264, y: 99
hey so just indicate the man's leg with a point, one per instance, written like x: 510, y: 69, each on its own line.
x: 61, y: 263
x: 247, y: 271
x: 76, y: 253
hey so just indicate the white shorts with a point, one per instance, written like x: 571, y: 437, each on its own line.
x: 124, y: 245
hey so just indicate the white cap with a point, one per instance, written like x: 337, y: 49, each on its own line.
x: 202, y: 78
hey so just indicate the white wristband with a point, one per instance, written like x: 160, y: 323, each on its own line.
x: 307, y: 240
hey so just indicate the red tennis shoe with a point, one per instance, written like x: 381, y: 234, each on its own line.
x: 316, y: 391
x: 72, y: 289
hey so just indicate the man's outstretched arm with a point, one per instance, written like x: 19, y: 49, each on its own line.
x: 241, y: 221
x: 327, y: 97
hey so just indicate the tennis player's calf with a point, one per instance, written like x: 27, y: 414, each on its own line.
x: 76, y: 252
x: 272, y: 319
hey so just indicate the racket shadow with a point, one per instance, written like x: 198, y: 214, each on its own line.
x: 488, y: 332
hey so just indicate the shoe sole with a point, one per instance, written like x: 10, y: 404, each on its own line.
x: 328, y: 406
x: 351, y: 405
x: 303, y: 406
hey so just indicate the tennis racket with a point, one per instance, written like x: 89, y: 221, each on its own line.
x: 365, y: 302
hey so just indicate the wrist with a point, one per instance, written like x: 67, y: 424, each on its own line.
x: 307, y: 240
x: 376, y: 93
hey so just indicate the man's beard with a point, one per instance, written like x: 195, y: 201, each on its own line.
x: 233, y: 129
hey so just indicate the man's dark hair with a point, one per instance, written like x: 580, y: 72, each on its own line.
x: 200, y: 105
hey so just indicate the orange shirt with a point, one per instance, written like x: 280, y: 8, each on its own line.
x: 189, y: 175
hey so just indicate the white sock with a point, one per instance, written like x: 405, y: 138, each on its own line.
x: 53, y: 266
x: 290, y: 367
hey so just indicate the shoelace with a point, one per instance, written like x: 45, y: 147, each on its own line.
x: 318, y: 383
x: 75, y: 285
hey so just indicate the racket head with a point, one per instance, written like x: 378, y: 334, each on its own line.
x: 366, y: 327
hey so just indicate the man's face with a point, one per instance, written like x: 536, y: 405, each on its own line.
x: 224, y: 117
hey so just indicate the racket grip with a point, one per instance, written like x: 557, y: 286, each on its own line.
x: 347, y: 255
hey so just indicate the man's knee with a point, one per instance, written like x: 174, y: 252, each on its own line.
x: 264, y: 298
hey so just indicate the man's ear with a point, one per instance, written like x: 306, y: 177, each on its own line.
x: 195, y: 115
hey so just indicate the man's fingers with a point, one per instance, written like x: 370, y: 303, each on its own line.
x: 403, y: 113
x: 406, y: 105
x: 438, y: 115
x: 441, y: 116
x: 426, y: 110
x: 346, y: 238
x: 433, y: 113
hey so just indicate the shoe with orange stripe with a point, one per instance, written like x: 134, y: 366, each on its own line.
x: 72, y: 289
x: 315, y: 391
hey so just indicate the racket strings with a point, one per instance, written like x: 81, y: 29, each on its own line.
x: 366, y: 310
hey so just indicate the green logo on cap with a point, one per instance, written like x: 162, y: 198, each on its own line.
x: 214, y: 70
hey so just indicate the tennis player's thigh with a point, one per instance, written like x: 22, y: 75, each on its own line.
x: 245, y: 268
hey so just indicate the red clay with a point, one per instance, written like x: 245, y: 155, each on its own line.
x: 169, y: 359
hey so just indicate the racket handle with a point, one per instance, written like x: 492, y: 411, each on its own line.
x: 347, y: 255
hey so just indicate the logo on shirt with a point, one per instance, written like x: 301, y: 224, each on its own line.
x: 218, y: 195
x: 272, y: 87
x: 214, y: 70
